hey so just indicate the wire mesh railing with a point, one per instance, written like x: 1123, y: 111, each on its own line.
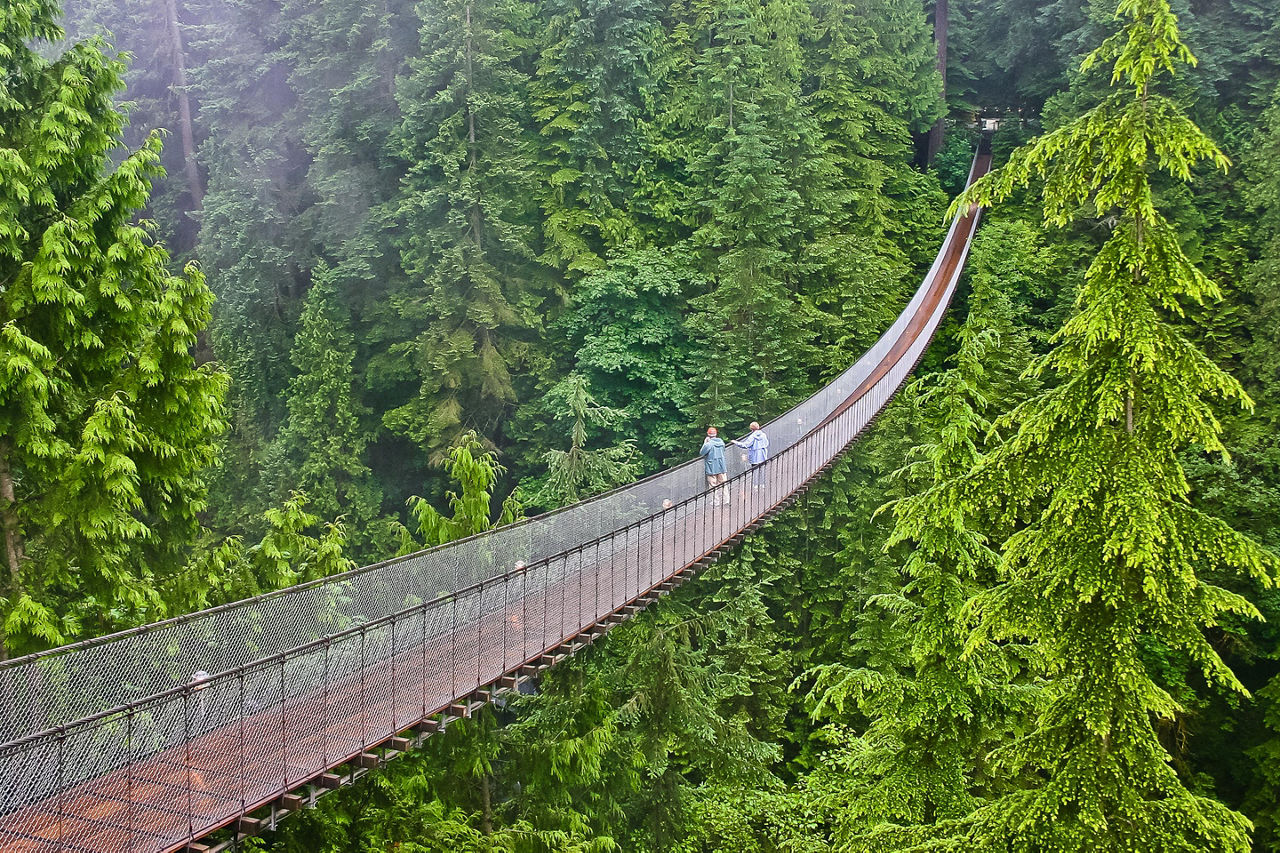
x: 154, y: 737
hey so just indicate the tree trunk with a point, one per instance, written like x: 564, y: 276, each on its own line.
x: 186, y: 131
x: 471, y: 129
x: 486, y: 818
x: 941, y: 21
x: 13, y: 550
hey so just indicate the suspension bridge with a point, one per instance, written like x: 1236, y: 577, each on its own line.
x: 153, y: 739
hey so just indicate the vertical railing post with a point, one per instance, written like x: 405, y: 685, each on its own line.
x: 454, y: 630
x: 546, y: 605
x: 546, y: 599
x: 324, y: 741
x: 395, y: 683
x: 479, y: 632
x: 128, y: 745
x: 244, y: 777
x: 595, y: 586
x: 669, y: 522
x: 186, y: 754
x: 524, y: 617
x: 62, y: 757
x: 363, y: 701
x: 653, y: 566
x: 506, y: 617
x: 423, y: 676
x: 284, y: 735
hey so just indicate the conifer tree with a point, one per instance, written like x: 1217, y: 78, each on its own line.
x: 106, y: 423
x: 580, y: 471
x: 588, y: 97
x: 1110, y: 559
x: 1262, y: 362
x: 933, y: 718
x: 321, y: 448
x: 471, y: 308
x: 876, y: 82
x: 749, y: 327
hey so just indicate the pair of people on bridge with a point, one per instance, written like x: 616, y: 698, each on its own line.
x: 715, y: 468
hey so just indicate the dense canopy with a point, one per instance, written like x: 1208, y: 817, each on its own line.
x: 289, y: 286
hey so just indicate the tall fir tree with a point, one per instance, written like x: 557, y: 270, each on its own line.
x: 253, y: 245
x: 934, y: 718
x: 1261, y: 450
x: 582, y: 471
x: 472, y: 310
x: 106, y: 423
x: 589, y: 97
x: 322, y: 447
x: 1107, y: 568
x: 749, y: 328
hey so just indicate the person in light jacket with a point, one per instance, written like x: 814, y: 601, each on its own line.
x: 714, y: 466
x: 757, y: 446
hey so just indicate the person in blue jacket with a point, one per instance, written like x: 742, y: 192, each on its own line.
x: 757, y: 446
x: 714, y: 466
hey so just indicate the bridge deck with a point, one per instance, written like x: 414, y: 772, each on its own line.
x: 246, y: 739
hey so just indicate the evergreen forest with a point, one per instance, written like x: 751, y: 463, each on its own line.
x: 289, y: 287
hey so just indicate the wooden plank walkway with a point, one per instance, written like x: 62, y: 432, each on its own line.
x: 353, y: 693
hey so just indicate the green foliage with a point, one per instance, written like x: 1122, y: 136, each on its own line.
x: 936, y: 713
x: 321, y: 449
x: 474, y: 297
x: 580, y: 472
x: 289, y: 553
x: 749, y: 327
x: 1107, y: 562
x: 626, y: 332
x: 685, y: 209
x: 107, y: 424
x: 591, y: 83
x: 475, y: 470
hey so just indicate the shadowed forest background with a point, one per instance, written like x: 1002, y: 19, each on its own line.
x: 474, y: 259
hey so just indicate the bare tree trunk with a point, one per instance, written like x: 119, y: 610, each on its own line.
x: 486, y: 819
x: 13, y: 550
x: 941, y: 21
x: 186, y: 132
x: 471, y: 128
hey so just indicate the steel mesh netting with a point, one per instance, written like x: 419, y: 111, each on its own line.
x: 344, y: 663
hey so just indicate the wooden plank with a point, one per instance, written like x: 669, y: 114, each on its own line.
x: 251, y: 825
x: 292, y: 802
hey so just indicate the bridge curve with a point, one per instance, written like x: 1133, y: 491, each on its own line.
x: 151, y: 739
